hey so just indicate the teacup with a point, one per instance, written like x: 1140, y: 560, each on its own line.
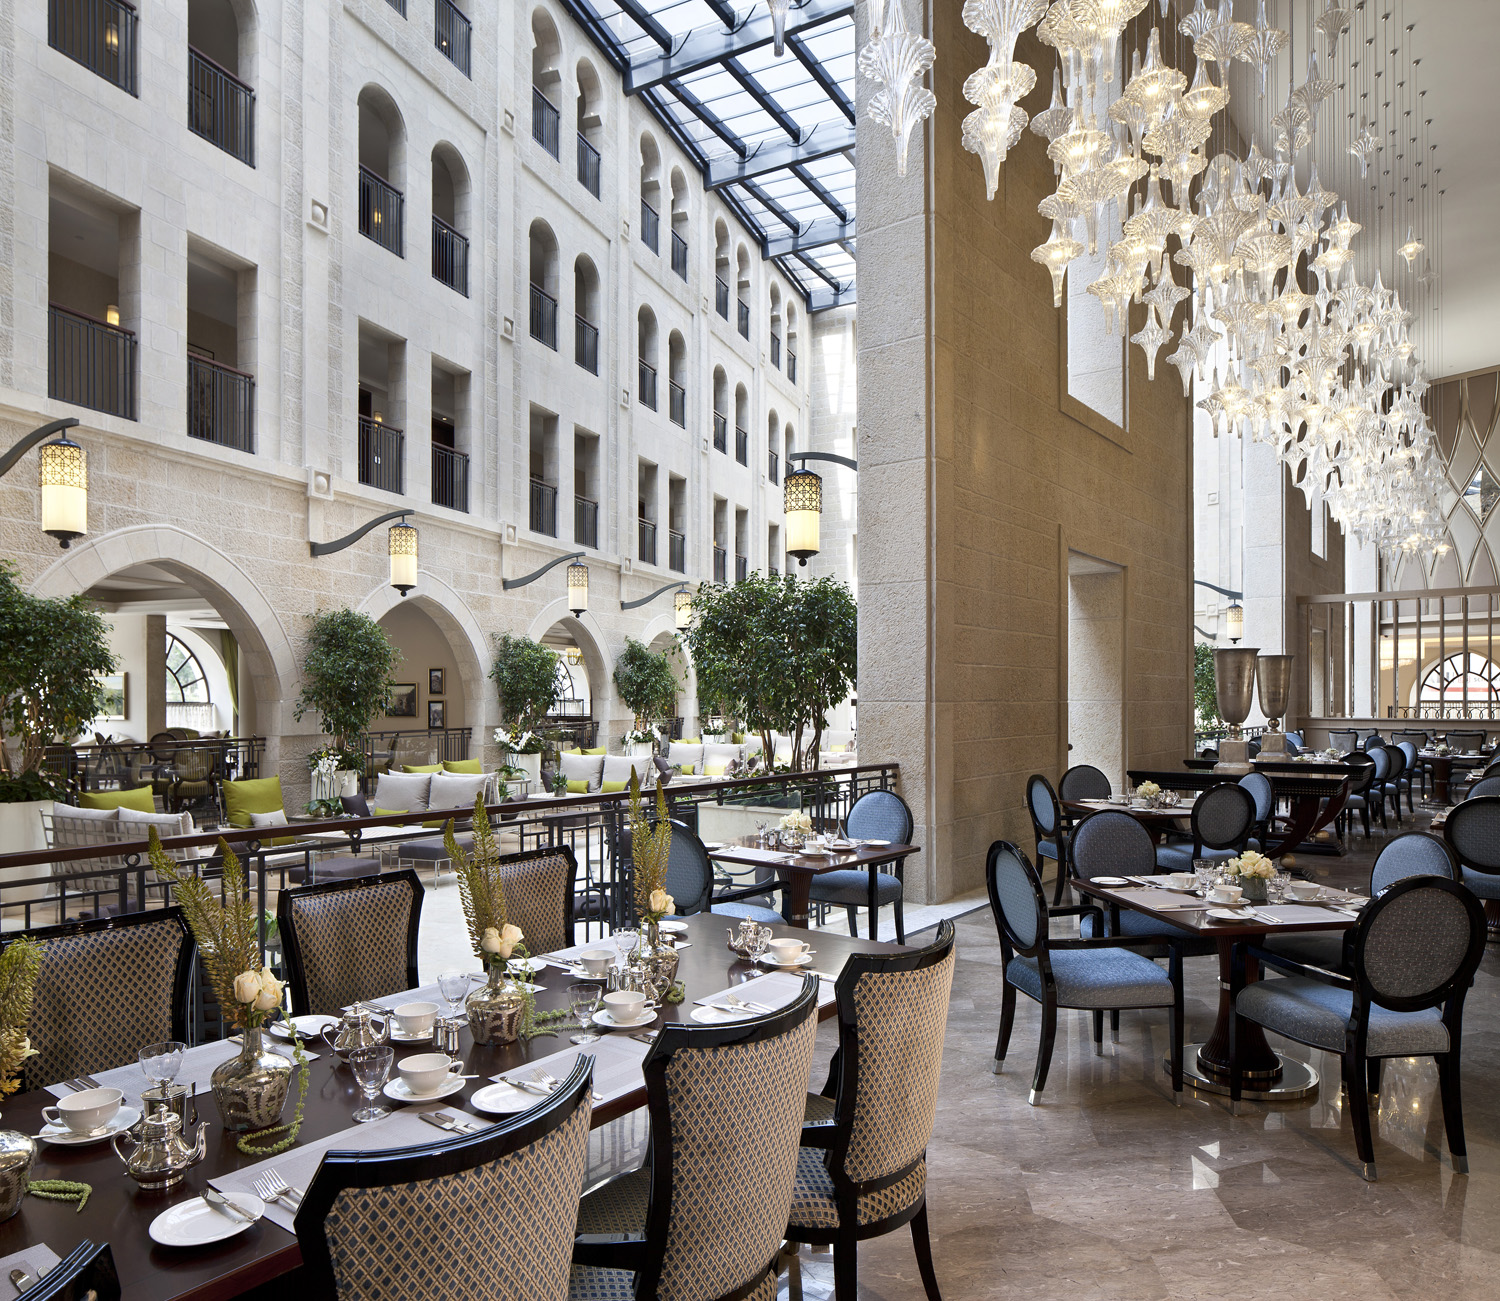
x: 85, y: 1112
x: 1303, y: 889
x: 596, y: 961
x: 1226, y: 894
x: 416, y: 1018
x: 627, y: 1005
x: 1183, y: 880
x: 428, y: 1072
x: 786, y: 950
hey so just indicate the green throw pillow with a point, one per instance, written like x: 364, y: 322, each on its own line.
x: 688, y: 769
x: 463, y: 765
x: 423, y: 767
x: 610, y: 787
x: 392, y: 813
x: 574, y: 750
x: 579, y: 787
x: 139, y: 799
x: 688, y: 740
x: 738, y: 738
x: 257, y: 795
x: 603, y: 749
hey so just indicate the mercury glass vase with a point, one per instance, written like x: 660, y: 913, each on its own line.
x: 657, y: 959
x: 1253, y: 888
x: 17, y: 1152
x: 251, y: 1089
x: 494, y: 1010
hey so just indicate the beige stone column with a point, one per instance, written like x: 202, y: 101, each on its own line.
x: 156, y: 675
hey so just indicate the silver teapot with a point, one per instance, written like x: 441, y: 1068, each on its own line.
x: 361, y: 1027
x: 160, y: 1157
x: 750, y: 940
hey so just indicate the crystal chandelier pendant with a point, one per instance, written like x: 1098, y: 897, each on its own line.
x: 778, y: 10
x: 1150, y: 338
x: 1203, y: 99
x: 1412, y: 249
x: 1055, y: 119
x: 993, y: 128
x: 1060, y: 249
x: 1262, y: 45
x: 898, y: 60
x: 1332, y: 22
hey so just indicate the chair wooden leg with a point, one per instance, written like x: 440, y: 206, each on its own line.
x: 1453, y: 1116
x: 1359, y: 1116
x: 1044, y: 1050
x: 793, y: 1271
x: 1372, y: 1076
x: 922, y: 1245
x: 1114, y: 1025
x: 1098, y: 1019
x: 1007, y: 1023
x: 1062, y: 880
x: 853, y: 922
x: 846, y: 1269
x: 874, y: 910
x: 900, y: 923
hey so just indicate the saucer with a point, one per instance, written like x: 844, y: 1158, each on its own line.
x: 309, y: 1027
x: 672, y: 928
x: 398, y: 1091
x: 1226, y: 914
x: 707, y: 1014
x: 502, y: 1099
x: 193, y: 1223
x: 65, y: 1137
x: 606, y: 1018
x: 399, y: 1036
x: 1108, y: 880
x: 800, y: 961
x: 875, y: 844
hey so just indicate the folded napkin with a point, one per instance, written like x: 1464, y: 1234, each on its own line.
x: 1302, y: 913
x: 33, y: 1259
x: 617, y: 1066
x: 197, y: 1065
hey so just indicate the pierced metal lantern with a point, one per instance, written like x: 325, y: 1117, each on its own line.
x: 682, y: 609
x: 65, y: 490
x: 803, y: 499
x: 403, y: 547
x: 1234, y: 620
x: 578, y: 587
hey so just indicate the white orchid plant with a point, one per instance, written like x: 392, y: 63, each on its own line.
x: 518, y: 741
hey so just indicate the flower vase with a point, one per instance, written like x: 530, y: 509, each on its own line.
x: 251, y: 1089
x: 494, y: 1011
x: 530, y: 764
x: 17, y: 1152
x: 658, y: 959
x: 1253, y: 888
x: 324, y: 788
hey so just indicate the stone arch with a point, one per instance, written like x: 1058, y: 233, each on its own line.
x: 594, y: 642
x: 655, y: 634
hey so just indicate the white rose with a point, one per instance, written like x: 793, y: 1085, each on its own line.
x: 247, y: 987
x: 270, y: 993
x: 661, y: 901
x: 489, y: 942
x: 507, y: 939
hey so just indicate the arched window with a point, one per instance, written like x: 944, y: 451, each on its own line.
x: 221, y: 101
x: 721, y: 410
x: 586, y: 314
x: 679, y: 223
x: 742, y: 424
x: 186, y: 683
x: 677, y: 379
x: 546, y: 50
x: 791, y: 341
x: 742, y: 259
x: 382, y: 171
x: 776, y: 326
x: 646, y: 356
x: 543, y: 271
x: 650, y: 193
x: 1461, y: 686
x: 721, y: 268
x: 590, y: 126
x: 450, y: 219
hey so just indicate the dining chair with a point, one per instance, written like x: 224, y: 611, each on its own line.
x: 1097, y: 974
x: 1083, y: 781
x: 1264, y: 796
x: 1373, y: 741
x: 1377, y: 795
x: 862, y: 1170
x: 538, y: 886
x: 706, y: 1215
x: 87, y: 1273
x: 875, y: 815
x: 1412, y: 956
x: 1415, y: 770
x: 1396, y: 783
x: 1472, y: 831
x: 1048, y: 829
x: 1348, y: 740
x: 345, y: 941
x: 1465, y: 742
x: 1222, y: 819
x: 690, y: 882
x: 490, y: 1213
x: 1360, y: 795
x: 1484, y: 786
x: 106, y: 987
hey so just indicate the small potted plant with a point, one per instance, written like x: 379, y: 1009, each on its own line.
x: 1149, y: 793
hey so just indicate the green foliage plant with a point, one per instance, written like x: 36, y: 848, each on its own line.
x: 525, y: 676
x: 348, y: 670
x: 1205, y: 688
x: 646, y: 681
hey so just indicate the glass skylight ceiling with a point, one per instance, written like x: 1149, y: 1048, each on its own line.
x: 774, y: 136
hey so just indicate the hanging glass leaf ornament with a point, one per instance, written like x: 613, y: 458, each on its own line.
x: 1262, y: 45
x: 1332, y: 22
x: 778, y: 10
x: 1150, y: 338
x: 1055, y: 119
x: 993, y: 128
x: 1060, y: 249
x: 1203, y: 98
x: 1001, y: 23
x: 897, y: 60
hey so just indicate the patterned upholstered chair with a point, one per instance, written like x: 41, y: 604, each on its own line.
x: 690, y: 882
x: 1413, y: 954
x: 1473, y: 834
x: 1264, y: 796
x: 1394, y: 784
x: 539, y: 895
x: 1465, y: 742
x: 1096, y: 975
x: 350, y: 940
x: 706, y: 1216
x: 1049, y: 829
x: 875, y: 815
x: 485, y: 1214
x: 1084, y: 782
x: 87, y: 1273
x: 106, y: 987
x: 1484, y: 786
x: 863, y: 1168
x: 1222, y: 819
x: 1345, y: 741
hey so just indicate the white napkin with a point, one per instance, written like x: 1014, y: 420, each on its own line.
x: 197, y: 1065
x: 617, y: 1066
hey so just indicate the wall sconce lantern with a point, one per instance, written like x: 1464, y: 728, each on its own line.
x: 578, y: 588
x: 64, y: 480
x: 682, y: 609
x: 1234, y: 620
x: 802, y: 495
x: 403, y: 548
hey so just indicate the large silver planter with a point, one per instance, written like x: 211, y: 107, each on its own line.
x: 1273, y: 680
x: 1234, y: 684
x: 17, y: 1152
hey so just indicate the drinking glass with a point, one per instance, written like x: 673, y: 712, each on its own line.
x: 625, y: 940
x: 1205, y: 871
x: 1276, y: 887
x: 372, y: 1068
x: 162, y: 1061
x: 453, y: 985
x: 584, y: 998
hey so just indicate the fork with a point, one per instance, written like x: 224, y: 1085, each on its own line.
x: 552, y: 1084
x: 271, y: 1187
x: 735, y: 1001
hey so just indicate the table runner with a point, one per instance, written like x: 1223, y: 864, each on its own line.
x: 617, y: 1066
x: 775, y: 990
x: 1160, y: 900
x: 197, y: 1065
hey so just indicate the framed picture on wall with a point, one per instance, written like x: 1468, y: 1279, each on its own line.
x: 434, y: 682
x: 116, y: 699
x: 403, y: 701
x: 437, y: 712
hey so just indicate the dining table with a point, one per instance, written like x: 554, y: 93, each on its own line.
x: 120, y: 1213
x: 1442, y: 768
x: 1268, y: 1074
x: 797, y: 869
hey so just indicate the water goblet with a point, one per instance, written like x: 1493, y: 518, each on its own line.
x: 1276, y: 887
x: 1205, y: 871
x: 372, y: 1068
x: 453, y: 985
x: 625, y: 938
x: 584, y: 999
x: 161, y: 1062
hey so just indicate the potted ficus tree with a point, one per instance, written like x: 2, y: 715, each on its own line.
x: 525, y: 677
x: 647, y: 684
x: 348, y: 668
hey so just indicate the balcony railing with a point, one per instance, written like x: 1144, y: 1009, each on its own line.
x: 382, y: 212
x: 100, y: 34
x: 646, y: 537
x: 776, y: 351
x: 676, y: 551
x: 585, y: 522
x: 450, y: 256
x: 679, y: 255
x: 647, y: 384
x: 774, y: 467
x: 221, y: 108
x: 586, y: 344
x: 741, y: 568
x: 721, y: 432
x: 544, y: 119
x: 220, y: 404
x: 588, y: 166
x: 721, y: 298
x: 744, y: 314
x: 398, y: 5
x: 742, y: 445
x: 382, y: 456
x: 677, y: 403
x: 650, y: 227
x: 720, y: 562
x: 450, y: 478
x: 89, y: 363
x: 791, y: 365
x: 544, y: 317
x: 543, y: 508
x: 452, y: 33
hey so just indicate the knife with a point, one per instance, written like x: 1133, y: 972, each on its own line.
x: 219, y: 1202
x: 434, y: 1121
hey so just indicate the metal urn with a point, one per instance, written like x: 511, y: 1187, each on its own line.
x: 1234, y: 684
x: 1273, y: 680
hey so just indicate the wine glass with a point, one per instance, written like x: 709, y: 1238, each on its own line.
x: 584, y: 998
x: 161, y: 1062
x: 372, y: 1068
x: 625, y: 939
x: 453, y: 985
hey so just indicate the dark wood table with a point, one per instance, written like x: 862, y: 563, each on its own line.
x: 1264, y: 1068
x: 1316, y: 794
x: 797, y: 870
x: 1158, y: 820
x: 1441, y: 767
x: 119, y: 1212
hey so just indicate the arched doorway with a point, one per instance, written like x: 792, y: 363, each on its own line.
x: 589, y: 667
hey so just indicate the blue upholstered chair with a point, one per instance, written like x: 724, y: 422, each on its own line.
x: 875, y: 815
x: 1412, y: 957
x: 1372, y: 742
x: 690, y: 882
x: 1223, y: 817
x: 1096, y: 975
x: 1465, y: 742
x: 1410, y: 772
x: 1473, y: 834
x: 1084, y: 782
x: 1359, y: 797
x: 1049, y: 828
x: 1376, y: 795
x: 1484, y: 786
x: 1259, y: 786
x: 1396, y: 781
x: 1294, y: 743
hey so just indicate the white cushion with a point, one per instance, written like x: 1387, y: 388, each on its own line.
x: 406, y: 791
x: 455, y: 790
x: 686, y: 756
x: 617, y: 768
x: 583, y: 767
x: 166, y: 824
x: 276, y: 818
x: 60, y: 810
x: 720, y: 756
x: 753, y: 744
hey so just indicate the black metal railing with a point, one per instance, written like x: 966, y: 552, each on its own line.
x: 744, y: 313
x: 677, y: 403
x: 382, y: 456
x: 450, y: 256
x: 453, y: 34
x: 721, y: 432
x: 543, y: 508
x: 646, y: 376
x: 90, y: 363
x: 398, y: 5
x: 646, y: 538
x: 585, y: 522
x: 776, y: 351
x: 676, y: 551
x: 721, y: 298
x: 544, y: 317
x: 100, y: 34
x: 679, y: 255
x: 382, y: 212
x: 588, y: 166
x: 720, y: 560
x: 221, y: 108
x: 220, y: 404
x: 791, y: 365
x: 650, y: 227
x: 586, y: 344
x: 450, y: 478
x: 544, y: 120
x: 741, y: 568
x: 773, y: 467
x: 742, y: 445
